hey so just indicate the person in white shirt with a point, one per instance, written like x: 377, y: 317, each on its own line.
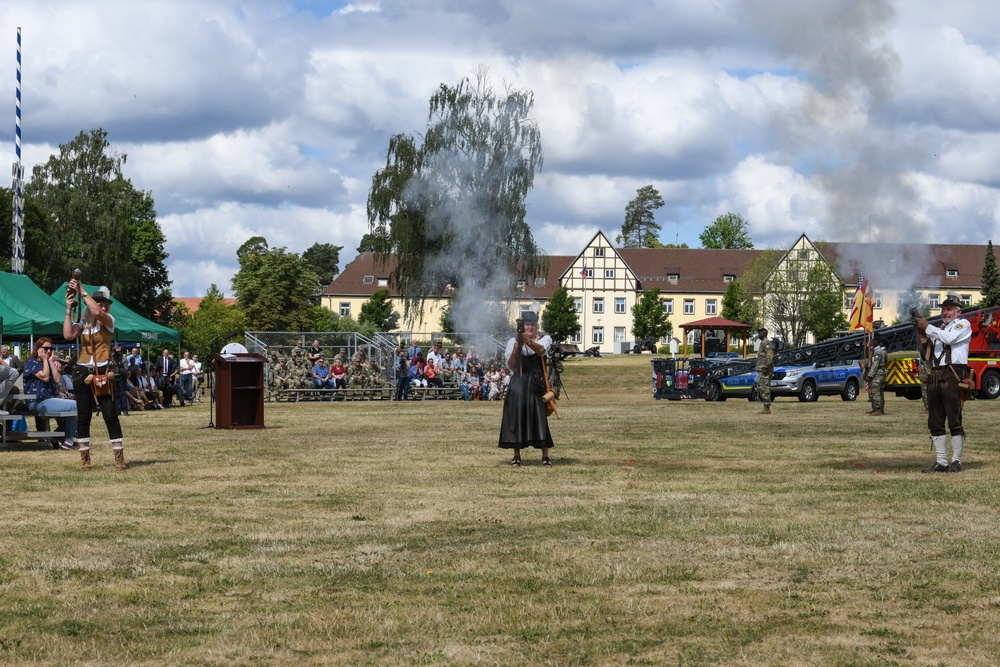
x: 187, y: 375
x: 196, y: 380
x: 947, y: 348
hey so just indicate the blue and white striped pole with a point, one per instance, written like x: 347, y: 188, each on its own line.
x: 17, y: 262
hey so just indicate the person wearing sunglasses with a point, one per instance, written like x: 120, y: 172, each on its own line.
x: 42, y: 378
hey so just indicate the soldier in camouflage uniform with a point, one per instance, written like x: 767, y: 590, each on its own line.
x: 765, y: 367
x: 272, y: 369
x: 301, y: 378
x: 875, y: 377
x: 281, y: 376
x: 375, y: 378
x: 298, y: 352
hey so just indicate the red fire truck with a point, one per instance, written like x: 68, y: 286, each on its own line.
x: 903, y: 372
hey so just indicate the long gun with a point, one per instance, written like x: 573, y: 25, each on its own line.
x: 76, y: 304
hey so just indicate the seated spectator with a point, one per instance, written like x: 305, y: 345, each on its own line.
x: 135, y: 358
x: 447, y: 371
x: 462, y: 378
x: 315, y: 352
x: 458, y: 361
x: 431, y: 374
x: 135, y: 396
x: 66, y: 383
x: 8, y: 376
x: 42, y: 379
x: 475, y: 388
x: 338, y: 373
x: 321, y: 375
x: 435, y: 354
x: 491, y: 388
x: 151, y: 393
x: 167, y: 389
x: 417, y: 378
x: 474, y: 364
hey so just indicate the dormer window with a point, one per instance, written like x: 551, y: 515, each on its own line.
x: 729, y: 277
x: 520, y: 285
x: 383, y: 282
x: 952, y: 273
x: 539, y: 282
x: 368, y: 280
x: 673, y: 277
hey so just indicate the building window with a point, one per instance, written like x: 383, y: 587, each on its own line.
x: 609, y: 273
x: 689, y: 306
x: 619, y: 305
x: 577, y: 304
x: 668, y: 306
x: 619, y: 334
x: 598, y: 337
x: 539, y: 282
x: 710, y: 306
x: 848, y: 301
x: 599, y: 305
x: 577, y: 338
x: 383, y: 282
x: 673, y: 277
x: 803, y: 254
x: 598, y: 252
x: 729, y: 277
x: 525, y: 307
x: 345, y: 308
x: 952, y: 273
x: 966, y: 300
x: 587, y: 273
x: 520, y: 285
x: 934, y: 300
x: 368, y: 280
x: 878, y: 301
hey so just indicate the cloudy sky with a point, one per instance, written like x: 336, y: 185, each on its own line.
x: 847, y: 120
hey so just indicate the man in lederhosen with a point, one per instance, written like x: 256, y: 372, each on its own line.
x: 949, y: 356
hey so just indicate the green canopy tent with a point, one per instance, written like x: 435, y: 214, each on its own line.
x: 130, y: 326
x: 26, y: 309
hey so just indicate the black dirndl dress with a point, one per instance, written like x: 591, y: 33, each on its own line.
x: 524, y: 423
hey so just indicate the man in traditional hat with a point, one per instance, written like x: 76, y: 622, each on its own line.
x: 947, y: 347
x: 765, y: 367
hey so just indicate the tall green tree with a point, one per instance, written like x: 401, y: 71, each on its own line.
x: 377, y: 311
x: 823, y: 310
x: 212, y: 326
x: 97, y: 221
x: 275, y: 289
x: 559, y: 319
x: 375, y: 243
x: 648, y: 318
x: 640, y: 229
x: 990, y: 279
x: 738, y: 304
x: 729, y: 230
x: 324, y: 258
x: 452, y: 206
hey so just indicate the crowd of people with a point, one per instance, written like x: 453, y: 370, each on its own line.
x: 157, y: 385
x: 412, y: 373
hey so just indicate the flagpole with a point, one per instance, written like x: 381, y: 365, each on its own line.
x: 17, y: 261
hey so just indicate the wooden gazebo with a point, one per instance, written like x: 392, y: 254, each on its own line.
x: 713, y: 324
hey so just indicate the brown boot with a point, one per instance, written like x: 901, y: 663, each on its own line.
x: 766, y: 410
x: 878, y: 413
x: 119, y: 458
x: 85, y: 459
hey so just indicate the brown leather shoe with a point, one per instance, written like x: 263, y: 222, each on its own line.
x: 85, y: 459
x: 119, y: 458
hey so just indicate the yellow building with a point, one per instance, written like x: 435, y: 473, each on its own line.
x: 605, y: 282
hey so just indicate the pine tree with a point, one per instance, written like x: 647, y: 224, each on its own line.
x: 991, y: 279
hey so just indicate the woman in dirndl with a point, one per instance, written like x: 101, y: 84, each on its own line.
x: 524, y: 422
x: 95, y: 330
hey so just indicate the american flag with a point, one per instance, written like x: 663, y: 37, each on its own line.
x: 861, y: 277
x: 583, y: 271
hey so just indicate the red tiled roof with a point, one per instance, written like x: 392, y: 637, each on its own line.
x: 362, y: 276
x: 698, y: 269
x: 194, y: 302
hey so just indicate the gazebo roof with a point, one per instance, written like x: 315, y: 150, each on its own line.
x: 715, y: 323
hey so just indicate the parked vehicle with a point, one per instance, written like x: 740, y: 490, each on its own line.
x: 820, y: 379
x: 808, y: 383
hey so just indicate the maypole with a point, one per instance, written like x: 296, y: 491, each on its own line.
x: 17, y: 262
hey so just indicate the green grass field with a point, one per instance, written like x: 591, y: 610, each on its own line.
x: 372, y: 533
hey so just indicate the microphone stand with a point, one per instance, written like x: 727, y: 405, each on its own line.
x: 210, y: 381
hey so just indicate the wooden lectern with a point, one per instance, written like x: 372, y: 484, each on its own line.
x: 239, y: 390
